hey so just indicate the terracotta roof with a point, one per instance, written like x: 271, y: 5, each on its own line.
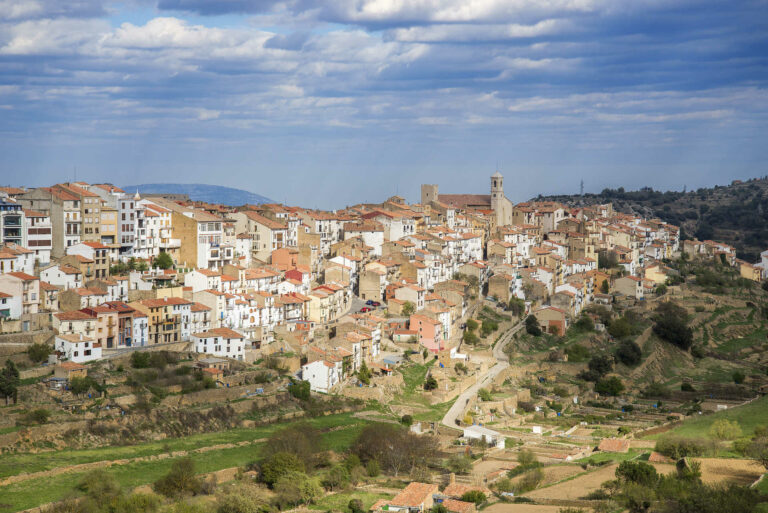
x: 454, y: 506
x: 71, y: 366
x: 219, y: 332
x: 458, y: 489
x: 414, y: 495
x: 74, y: 316
x: 23, y: 276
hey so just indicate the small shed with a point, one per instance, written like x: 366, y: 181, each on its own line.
x: 491, y: 437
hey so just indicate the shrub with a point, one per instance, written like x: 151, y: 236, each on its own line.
x: 530, y: 481
x: 601, y: 365
x: 724, y: 429
x: 38, y: 353
x: 484, y: 394
x: 355, y: 506
x: 180, y: 480
x: 372, y: 468
x: 620, y: 328
x: 609, y: 386
x: 472, y: 325
x: 37, y: 416
x: 296, y: 488
x: 279, y: 464
x: 637, y: 472
x: 140, y: 359
x: 656, y: 390
x: 697, y: 352
x: 459, y: 464
x: 577, y: 353
x: 629, y: 353
x: 585, y: 323
x: 532, y: 326
x: 337, y: 476
x: 672, y: 325
x: 678, y: 447
x: 738, y: 377
x: 687, y: 387
x: 475, y: 496
x: 241, y: 497
x: 300, y: 390
x: 430, y: 383
x: 406, y: 420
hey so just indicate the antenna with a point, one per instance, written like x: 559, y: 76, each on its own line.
x: 581, y: 187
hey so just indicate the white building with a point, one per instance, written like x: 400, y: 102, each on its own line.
x: 62, y: 276
x: 39, y: 237
x: 491, y: 437
x: 322, y: 375
x: 222, y: 342
x: 77, y: 348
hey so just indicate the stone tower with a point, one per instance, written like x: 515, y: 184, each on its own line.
x: 497, y: 191
x: 428, y: 193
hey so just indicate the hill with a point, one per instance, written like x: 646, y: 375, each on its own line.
x: 736, y: 214
x: 202, y: 192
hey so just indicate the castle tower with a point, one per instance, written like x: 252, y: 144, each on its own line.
x: 428, y: 193
x: 497, y: 191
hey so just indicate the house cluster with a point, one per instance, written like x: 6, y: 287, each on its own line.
x: 107, y: 269
x: 422, y: 497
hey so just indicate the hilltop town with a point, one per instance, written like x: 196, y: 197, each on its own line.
x: 459, y: 353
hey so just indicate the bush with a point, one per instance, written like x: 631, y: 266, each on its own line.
x: 372, y: 468
x: 738, y: 377
x: 180, y: 480
x: 337, y: 477
x: 601, y: 365
x: 300, y: 390
x: 679, y: 447
x: 697, y: 352
x: 278, y: 465
x: 459, y: 464
x: 297, y: 488
x: 242, y: 497
x: 430, y: 383
x: 585, y: 323
x: 724, y: 429
x: 475, y: 496
x: 484, y: 394
x: 577, y: 353
x: 530, y: 481
x: 656, y: 390
x: 38, y: 353
x: 532, y: 326
x: 620, y: 328
x: 37, y: 416
x: 470, y: 338
x: 609, y: 386
x: 406, y: 420
x: 687, y: 387
x: 355, y: 506
x: 472, y: 325
x: 672, y: 325
x: 637, y: 472
x: 629, y: 353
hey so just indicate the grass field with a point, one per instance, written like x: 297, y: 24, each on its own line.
x: 339, y: 501
x: 749, y: 417
x: 342, y: 430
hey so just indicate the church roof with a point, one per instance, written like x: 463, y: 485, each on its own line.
x: 496, y: 175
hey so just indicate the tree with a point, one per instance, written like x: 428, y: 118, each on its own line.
x: 300, y: 390
x: 601, y: 364
x: 672, y: 325
x: 609, y: 386
x: 758, y: 450
x: 637, y: 472
x: 661, y: 290
x: 364, y: 374
x: 470, y: 338
x: 516, y: 306
x: 584, y: 323
x: 296, y: 488
x: 459, y: 464
x: 394, y: 448
x: 484, y: 394
x: 724, y: 429
x: 337, y: 477
x: 620, y: 328
x: 532, y: 326
x: 406, y: 420
x: 278, y: 465
x: 81, y: 385
x: 408, y: 309
x: 180, y: 480
x: 629, y: 353
x: 9, y: 381
x: 355, y: 506
x: 605, y: 287
x: 430, y: 383
x: 164, y: 261
x: 38, y: 353
x: 738, y: 377
x: 140, y: 359
x: 475, y: 496
x: 472, y: 325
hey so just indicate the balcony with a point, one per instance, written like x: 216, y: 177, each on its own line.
x: 173, y: 243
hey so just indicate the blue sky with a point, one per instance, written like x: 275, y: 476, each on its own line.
x: 326, y: 103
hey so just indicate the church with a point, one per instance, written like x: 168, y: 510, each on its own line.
x: 495, y: 201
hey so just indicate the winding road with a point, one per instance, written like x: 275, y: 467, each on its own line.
x: 502, y: 362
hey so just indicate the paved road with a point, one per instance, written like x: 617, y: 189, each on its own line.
x: 449, y: 420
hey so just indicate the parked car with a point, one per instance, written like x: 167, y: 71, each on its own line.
x: 365, y: 309
x: 375, y: 303
x: 369, y: 302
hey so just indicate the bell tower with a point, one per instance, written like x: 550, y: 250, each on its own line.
x: 497, y: 191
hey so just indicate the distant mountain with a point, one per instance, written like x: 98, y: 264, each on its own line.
x: 736, y: 214
x: 202, y: 192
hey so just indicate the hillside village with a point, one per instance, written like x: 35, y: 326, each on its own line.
x: 509, y: 338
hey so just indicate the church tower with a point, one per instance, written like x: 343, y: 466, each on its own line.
x: 497, y: 191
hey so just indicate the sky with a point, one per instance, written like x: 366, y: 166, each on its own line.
x: 327, y: 103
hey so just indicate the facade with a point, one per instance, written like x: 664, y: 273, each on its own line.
x: 222, y: 342
x: 39, y: 236
x: 322, y: 375
x: 77, y: 348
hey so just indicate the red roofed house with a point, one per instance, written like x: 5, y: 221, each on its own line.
x: 414, y: 498
x: 430, y: 332
x: 24, y: 286
x: 222, y: 342
x: 630, y: 286
x: 552, y: 320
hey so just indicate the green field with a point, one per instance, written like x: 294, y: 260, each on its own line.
x: 341, y: 430
x: 749, y: 417
x: 339, y: 501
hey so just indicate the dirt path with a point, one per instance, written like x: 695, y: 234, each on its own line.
x: 80, y: 467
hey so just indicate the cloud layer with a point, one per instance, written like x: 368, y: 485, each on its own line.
x: 402, y: 89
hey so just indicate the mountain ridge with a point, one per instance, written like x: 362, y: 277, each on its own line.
x: 202, y: 192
